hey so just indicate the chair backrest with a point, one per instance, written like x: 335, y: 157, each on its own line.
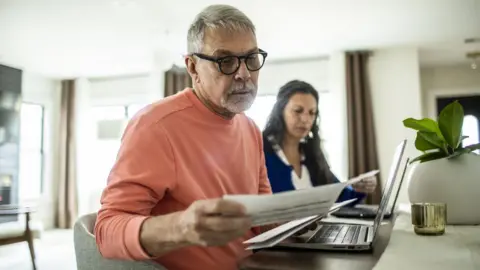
x: 88, y: 256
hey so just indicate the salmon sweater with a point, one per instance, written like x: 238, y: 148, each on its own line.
x: 174, y: 152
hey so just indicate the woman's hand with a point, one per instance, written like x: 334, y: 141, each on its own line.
x: 366, y: 185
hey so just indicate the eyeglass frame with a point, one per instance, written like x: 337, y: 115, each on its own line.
x: 218, y: 60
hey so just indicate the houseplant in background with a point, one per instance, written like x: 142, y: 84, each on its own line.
x: 446, y: 171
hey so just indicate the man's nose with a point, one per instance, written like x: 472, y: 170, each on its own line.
x: 243, y: 73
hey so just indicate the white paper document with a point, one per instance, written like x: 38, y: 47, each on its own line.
x: 274, y: 236
x: 278, y: 234
x: 291, y: 205
x: 352, y: 221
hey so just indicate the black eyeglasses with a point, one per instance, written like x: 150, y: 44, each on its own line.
x: 230, y: 64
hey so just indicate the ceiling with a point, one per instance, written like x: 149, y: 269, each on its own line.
x: 447, y: 53
x: 72, y: 38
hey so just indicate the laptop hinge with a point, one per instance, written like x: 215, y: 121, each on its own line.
x: 370, y: 234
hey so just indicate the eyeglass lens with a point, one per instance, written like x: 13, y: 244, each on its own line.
x: 230, y: 64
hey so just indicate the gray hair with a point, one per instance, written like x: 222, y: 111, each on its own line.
x: 216, y: 17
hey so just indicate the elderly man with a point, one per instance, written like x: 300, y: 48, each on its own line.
x: 179, y: 156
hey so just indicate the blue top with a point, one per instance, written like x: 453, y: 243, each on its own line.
x: 280, y: 176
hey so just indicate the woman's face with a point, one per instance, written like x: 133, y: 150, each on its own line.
x: 299, y: 114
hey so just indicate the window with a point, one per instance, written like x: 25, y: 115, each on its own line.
x: 260, y: 110
x: 107, y: 143
x: 132, y: 109
x: 31, y: 151
x: 470, y: 129
x: 116, y: 111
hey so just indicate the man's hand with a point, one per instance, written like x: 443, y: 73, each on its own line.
x: 214, y: 222
x: 366, y: 185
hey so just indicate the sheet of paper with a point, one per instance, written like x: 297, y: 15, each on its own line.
x: 292, y: 226
x: 281, y: 229
x: 362, y: 176
x: 291, y: 205
x: 279, y: 237
x: 287, y: 206
x: 353, y: 221
x: 287, y: 230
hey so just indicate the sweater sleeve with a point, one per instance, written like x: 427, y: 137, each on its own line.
x: 349, y: 193
x: 136, y: 184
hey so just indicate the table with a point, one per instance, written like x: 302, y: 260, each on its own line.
x: 306, y: 260
x: 8, y: 210
x: 458, y: 248
x: 16, y: 236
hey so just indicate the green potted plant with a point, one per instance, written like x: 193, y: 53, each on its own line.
x: 446, y: 170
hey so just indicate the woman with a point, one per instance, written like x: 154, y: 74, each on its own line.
x: 293, y: 155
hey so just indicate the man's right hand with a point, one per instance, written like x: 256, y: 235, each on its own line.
x: 207, y: 223
x: 214, y: 222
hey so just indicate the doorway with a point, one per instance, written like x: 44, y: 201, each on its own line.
x: 471, y: 107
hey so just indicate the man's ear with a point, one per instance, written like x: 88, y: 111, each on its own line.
x: 191, y: 67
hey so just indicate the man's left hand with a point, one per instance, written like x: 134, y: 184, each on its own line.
x: 366, y: 185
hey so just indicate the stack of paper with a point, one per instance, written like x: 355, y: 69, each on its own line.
x: 280, y: 233
x: 302, y: 206
x: 291, y: 205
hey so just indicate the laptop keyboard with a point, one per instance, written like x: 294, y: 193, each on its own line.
x: 337, y: 234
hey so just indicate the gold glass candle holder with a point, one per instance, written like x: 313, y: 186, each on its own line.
x: 429, y: 218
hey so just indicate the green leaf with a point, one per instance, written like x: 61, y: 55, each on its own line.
x: 473, y: 147
x: 450, y: 122
x: 429, y: 156
x: 427, y: 141
x: 425, y: 124
x: 459, y: 152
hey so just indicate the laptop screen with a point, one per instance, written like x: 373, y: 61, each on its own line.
x: 397, y: 158
x: 399, y: 187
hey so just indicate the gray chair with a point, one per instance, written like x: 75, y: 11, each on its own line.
x: 88, y: 256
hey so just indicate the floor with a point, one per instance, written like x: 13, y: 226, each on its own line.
x: 54, y: 251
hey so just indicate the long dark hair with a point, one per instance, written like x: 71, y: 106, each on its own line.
x: 275, y: 129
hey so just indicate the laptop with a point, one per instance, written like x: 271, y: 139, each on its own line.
x: 349, y: 237
x: 370, y: 211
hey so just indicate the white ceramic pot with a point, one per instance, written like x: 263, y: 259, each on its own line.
x: 455, y: 182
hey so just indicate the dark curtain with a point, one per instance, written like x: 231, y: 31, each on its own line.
x: 362, y: 145
x: 176, y: 79
x: 66, y: 210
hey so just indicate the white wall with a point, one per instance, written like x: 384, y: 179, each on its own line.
x: 445, y: 81
x: 40, y: 90
x: 396, y: 94
x: 274, y: 74
x: 119, y: 90
x: 333, y: 118
x: 85, y: 138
